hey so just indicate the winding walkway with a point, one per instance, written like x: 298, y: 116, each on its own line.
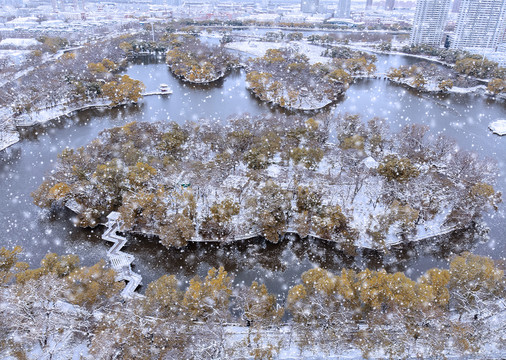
x: 120, y: 261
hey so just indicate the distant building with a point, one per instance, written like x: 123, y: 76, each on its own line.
x: 309, y: 6
x: 368, y: 4
x: 429, y: 21
x: 480, y: 24
x: 389, y: 4
x: 343, y: 9
x: 456, y: 6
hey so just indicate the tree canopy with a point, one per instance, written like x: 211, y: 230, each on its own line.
x: 203, y: 181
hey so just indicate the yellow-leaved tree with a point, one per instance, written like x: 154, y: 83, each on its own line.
x: 92, y: 286
x: 208, y: 300
x: 9, y: 264
x: 123, y: 89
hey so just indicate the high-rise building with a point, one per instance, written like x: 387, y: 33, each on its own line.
x: 389, y: 4
x: 456, y: 6
x: 343, y: 9
x: 368, y: 4
x: 430, y: 19
x: 309, y: 6
x: 480, y: 24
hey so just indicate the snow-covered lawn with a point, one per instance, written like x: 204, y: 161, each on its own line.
x: 45, y: 115
x: 258, y: 48
x: 433, y: 86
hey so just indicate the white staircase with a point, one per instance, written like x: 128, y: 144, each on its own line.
x: 120, y: 261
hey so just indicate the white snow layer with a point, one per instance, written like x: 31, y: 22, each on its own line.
x: 8, y: 138
x: 498, y: 127
x: 258, y: 48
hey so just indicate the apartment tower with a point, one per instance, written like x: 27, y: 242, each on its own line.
x: 429, y: 22
x: 480, y: 24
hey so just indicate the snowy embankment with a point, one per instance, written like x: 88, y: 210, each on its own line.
x: 498, y: 127
x: 306, y: 101
x: 10, y: 137
x: 198, y: 80
x: 432, y: 86
x: 309, y: 102
x: 313, y: 51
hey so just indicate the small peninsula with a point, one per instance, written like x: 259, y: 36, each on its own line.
x: 286, y: 78
x: 197, y: 62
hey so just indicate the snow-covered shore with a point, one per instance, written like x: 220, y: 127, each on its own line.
x: 11, y: 137
x: 373, y: 49
x: 432, y: 87
x: 258, y: 48
x: 8, y: 138
x: 55, y: 112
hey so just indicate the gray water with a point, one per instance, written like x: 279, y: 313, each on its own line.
x: 22, y: 167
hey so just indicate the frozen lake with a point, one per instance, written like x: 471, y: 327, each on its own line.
x: 22, y: 167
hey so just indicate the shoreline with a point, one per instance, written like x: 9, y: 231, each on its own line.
x: 295, y: 109
x: 203, y: 82
x: 49, y: 114
x: 384, y: 248
x: 290, y: 233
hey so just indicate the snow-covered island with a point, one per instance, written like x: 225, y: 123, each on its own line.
x: 197, y: 62
x: 286, y: 78
x: 299, y: 76
x: 432, y: 78
x: 271, y: 176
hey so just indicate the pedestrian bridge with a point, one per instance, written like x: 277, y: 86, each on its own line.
x: 120, y: 261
